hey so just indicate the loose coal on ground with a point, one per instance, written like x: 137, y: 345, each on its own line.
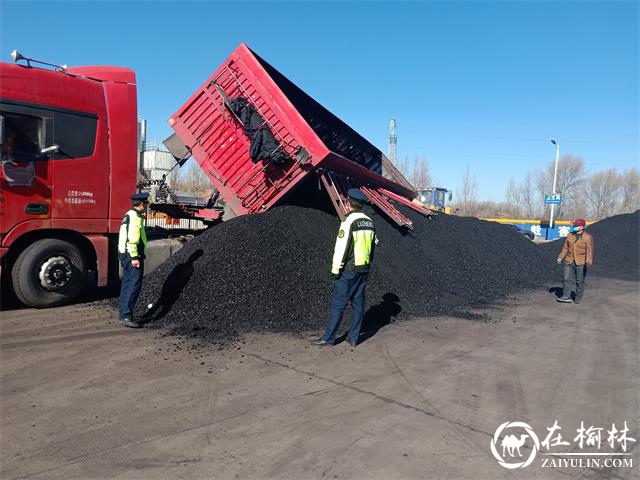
x: 617, y: 247
x: 270, y: 272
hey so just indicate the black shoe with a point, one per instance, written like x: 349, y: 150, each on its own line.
x: 563, y: 300
x: 321, y: 343
x: 577, y: 300
x: 128, y: 322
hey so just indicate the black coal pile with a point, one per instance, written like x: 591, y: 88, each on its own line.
x: 270, y: 272
x: 617, y: 247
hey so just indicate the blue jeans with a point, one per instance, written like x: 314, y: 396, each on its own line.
x: 349, y: 287
x: 130, y: 287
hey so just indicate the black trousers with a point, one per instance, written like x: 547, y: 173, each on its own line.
x: 348, y: 288
x: 130, y: 287
x: 573, y: 273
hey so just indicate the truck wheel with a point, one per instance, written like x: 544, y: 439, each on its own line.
x: 49, y: 273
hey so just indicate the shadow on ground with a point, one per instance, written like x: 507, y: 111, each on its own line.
x: 172, y: 288
x: 379, y: 316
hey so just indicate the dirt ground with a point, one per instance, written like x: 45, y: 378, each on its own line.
x: 83, y: 397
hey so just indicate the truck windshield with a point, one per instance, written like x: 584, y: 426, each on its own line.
x: 424, y: 196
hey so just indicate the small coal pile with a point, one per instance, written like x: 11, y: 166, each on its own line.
x: 270, y: 272
x: 617, y: 246
x: 251, y: 273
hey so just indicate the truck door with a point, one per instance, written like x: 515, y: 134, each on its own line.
x: 25, y: 172
x: 439, y: 199
x: 80, y: 171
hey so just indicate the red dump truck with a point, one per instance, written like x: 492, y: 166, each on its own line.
x: 68, y: 165
x: 69, y: 162
x: 258, y: 137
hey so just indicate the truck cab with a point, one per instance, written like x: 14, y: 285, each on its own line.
x: 435, y: 198
x: 68, y: 163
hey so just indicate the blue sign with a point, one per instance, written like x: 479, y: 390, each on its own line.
x: 553, y: 199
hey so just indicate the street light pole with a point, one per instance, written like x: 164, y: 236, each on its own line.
x: 555, y: 176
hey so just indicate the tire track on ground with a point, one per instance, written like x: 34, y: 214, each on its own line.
x: 388, y: 400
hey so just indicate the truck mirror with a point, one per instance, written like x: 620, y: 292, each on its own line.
x: 51, y: 149
x: 450, y: 196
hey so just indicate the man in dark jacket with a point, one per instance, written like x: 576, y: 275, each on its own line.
x: 577, y: 254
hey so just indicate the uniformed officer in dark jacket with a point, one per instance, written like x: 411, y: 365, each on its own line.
x: 352, y: 259
x: 132, y: 243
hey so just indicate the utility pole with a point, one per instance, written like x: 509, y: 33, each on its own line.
x: 555, y: 176
x: 393, y: 141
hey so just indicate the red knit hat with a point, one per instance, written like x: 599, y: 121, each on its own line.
x: 580, y: 223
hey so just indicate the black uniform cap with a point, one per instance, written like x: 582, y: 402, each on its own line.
x: 356, y: 195
x: 143, y: 196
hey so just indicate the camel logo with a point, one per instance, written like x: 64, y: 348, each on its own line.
x: 511, y: 445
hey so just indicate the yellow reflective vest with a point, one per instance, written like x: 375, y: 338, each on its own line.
x: 355, y: 244
x: 132, y: 241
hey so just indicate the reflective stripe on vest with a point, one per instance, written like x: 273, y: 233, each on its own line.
x: 132, y: 238
x: 355, y: 242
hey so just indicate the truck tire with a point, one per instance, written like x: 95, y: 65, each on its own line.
x: 49, y: 273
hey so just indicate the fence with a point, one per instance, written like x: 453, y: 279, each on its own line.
x: 540, y: 228
x: 175, y: 223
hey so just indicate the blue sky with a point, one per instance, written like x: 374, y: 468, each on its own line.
x: 484, y: 84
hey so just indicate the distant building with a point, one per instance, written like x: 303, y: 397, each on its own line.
x: 157, y: 162
x: 188, y: 199
x: 154, y: 159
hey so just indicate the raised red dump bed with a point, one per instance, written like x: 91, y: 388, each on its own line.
x: 247, y: 109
